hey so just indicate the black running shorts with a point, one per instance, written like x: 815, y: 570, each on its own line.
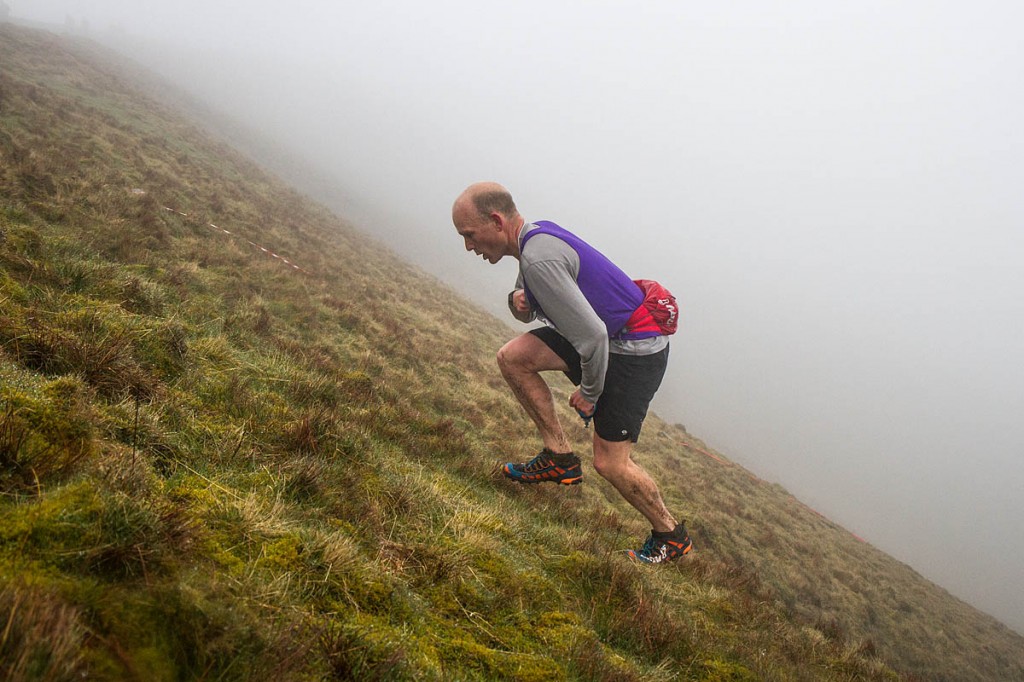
x: 629, y: 385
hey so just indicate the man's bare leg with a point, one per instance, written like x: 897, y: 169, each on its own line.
x: 613, y: 462
x: 521, y: 360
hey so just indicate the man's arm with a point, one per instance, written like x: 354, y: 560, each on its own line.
x: 553, y: 284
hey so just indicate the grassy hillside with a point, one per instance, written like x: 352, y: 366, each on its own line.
x: 214, y: 465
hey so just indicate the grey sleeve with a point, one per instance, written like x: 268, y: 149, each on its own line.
x: 553, y: 283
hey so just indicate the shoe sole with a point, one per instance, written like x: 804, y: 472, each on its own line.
x: 564, y: 481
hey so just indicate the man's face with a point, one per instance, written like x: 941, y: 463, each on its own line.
x: 483, y: 237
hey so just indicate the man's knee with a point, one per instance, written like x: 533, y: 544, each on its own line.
x: 608, y: 468
x: 602, y: 466
x: 610, y: 458
x: 508, y: 357
x: 527, y: 353
x: 517, y: 355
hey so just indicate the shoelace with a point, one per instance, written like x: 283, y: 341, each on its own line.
x: 538, y: 462
x: 650, y: 547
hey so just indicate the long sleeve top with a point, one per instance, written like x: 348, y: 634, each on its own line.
x: 550, y: 268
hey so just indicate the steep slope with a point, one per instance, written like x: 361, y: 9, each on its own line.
x: 218, y: 464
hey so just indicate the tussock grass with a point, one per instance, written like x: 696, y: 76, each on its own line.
x: 45, y: 427
x: 42, y: 636
x: 216, y: 467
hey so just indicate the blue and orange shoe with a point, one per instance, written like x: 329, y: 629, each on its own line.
x: 546, y: 467
x: 662, y: 547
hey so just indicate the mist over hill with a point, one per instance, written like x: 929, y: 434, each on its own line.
x: 240, y: 439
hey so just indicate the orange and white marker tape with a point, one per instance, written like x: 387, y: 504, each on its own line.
x: 232, y: 234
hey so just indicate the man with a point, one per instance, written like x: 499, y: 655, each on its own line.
x: 586, y: 302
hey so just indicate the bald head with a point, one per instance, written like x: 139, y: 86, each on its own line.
x: 487, y: 219
x: 483, y: 199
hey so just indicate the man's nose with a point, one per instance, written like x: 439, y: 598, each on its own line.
x: 469, y: 245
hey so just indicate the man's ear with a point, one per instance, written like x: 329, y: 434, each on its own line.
x: 497, y: 219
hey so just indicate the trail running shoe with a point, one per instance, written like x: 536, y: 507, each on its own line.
x: 547, y: 466
x: 660, y: 548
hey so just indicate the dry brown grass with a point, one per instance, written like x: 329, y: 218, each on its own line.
x: 42, y: 636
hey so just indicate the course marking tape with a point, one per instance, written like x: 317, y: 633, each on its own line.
x: 228, y: 232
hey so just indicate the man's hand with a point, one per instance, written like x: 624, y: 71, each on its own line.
x: 583, y: 407
x: 519, y: 301
x: 520, y: 306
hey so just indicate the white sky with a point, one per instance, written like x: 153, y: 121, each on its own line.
x: 832, y: 192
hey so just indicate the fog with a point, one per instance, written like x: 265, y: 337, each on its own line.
x: 833, y: 193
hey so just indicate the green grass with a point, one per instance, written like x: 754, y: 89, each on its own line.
x: 213, y: 466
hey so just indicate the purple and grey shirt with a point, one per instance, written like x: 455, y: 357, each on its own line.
x: 575, y: 289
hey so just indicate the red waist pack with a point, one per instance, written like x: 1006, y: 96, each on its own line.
x: 659, y: 311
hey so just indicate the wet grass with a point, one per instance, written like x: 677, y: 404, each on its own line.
x: 213, y: 466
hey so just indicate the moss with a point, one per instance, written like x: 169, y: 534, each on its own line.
x: 364, y: 646
x: 725, y: 671
x: 178, y: 632
x: 46, y: 427
x: 54, y: 520
x: 83, y: 530
x: 284, y: 553
x: 221, y: 536
x: 497, y: 664
x: 12, y: 293
x: 23, y: 240
x: 371, y: 594
x: 193, y: 490
x: 558, y: 625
